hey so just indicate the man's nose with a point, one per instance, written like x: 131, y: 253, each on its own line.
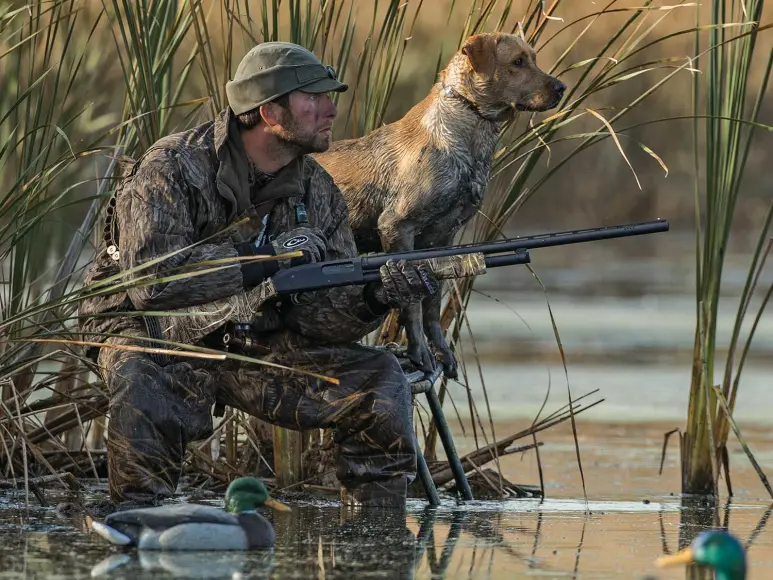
x: 331, y: 110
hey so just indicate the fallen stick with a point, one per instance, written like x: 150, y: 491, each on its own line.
x: 42, y: 480
x: 470, y: 461
x: 443, y: 474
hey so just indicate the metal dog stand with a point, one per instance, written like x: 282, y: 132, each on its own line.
x: 421, y: 383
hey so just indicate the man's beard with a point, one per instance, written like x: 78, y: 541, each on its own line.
x: 294, y: 139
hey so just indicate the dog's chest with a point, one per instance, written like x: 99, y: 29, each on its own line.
x: 467, y: 177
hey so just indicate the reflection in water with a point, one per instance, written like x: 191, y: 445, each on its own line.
x: 438, y: 566
x: 324, y: 542
x: 370, y: 542
x: 698, y: 514
x: 186, y: 564
x: 517, y: 538
x: 701, y: 513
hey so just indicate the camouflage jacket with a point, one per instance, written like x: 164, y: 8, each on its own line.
x: 189, y: 189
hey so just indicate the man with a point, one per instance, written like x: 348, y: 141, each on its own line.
x: 238, y: 186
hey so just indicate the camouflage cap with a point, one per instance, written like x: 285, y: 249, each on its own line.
x: 272, y: 69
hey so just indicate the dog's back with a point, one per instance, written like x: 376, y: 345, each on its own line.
x: 357, y: 165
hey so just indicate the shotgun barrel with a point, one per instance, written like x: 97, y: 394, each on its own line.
x: 523, y: 243
x: 507, y: 252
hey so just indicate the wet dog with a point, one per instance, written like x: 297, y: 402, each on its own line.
x: 414, y: 183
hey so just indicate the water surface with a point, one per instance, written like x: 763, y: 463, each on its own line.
x: 617, y: 533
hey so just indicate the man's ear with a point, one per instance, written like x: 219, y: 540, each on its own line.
x: 270, y: 114
x: 481, y: 50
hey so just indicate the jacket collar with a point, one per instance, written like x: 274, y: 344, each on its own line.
x: 233, y: 169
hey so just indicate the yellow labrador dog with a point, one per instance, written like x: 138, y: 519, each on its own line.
x: 413, y: 183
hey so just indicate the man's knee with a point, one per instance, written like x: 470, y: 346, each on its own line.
x: 143, y: 392
x: 391, y: 428
x: 129, y: 382
x: 390, y: 375
x: 392, y: 388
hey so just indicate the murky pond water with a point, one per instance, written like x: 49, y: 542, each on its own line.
x: 632, y: 516
x: 523, y: 538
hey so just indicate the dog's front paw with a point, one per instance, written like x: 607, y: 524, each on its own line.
x: 442, y: 351
x: 448, y: 360
x: 420, y: 355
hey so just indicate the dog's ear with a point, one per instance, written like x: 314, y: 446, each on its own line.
x: 481, y: 50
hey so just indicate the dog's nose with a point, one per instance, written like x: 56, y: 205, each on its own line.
x: 559, y: 87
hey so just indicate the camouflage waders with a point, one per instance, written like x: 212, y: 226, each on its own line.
x: 155, y: 411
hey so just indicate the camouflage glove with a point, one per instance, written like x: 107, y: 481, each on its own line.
x: 404, y: 283
x: 310, y: 241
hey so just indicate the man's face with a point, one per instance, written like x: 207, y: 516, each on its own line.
x: 307, y: 124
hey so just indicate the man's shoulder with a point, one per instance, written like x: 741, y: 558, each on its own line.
x: 198, y: 138
x: 314, y: 169
x: 189, y: 144
x: 322, y: 190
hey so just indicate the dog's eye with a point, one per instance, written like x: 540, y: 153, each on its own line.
x: 518, y: 62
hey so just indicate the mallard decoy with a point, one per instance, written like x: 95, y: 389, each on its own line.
x: 716, y: 549
x: 197, y: 527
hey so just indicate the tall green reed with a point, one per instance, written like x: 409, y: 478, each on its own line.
x: 57, y: 50
x: 730, y: 126
x: 39, y: 108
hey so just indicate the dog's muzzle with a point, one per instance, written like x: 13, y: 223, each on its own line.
x: 554, y: 92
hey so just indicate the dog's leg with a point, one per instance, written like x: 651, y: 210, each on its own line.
x: 431, y: 319
x: 418, y: 348
x: 398, y: 236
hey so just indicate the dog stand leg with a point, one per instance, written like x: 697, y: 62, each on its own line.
x: 425, y: 476
x: 448, y: 444
x: 427, y: 385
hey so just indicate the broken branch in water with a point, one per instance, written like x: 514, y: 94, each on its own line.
x: 442, y: 473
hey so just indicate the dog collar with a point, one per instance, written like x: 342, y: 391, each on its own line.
x: 454, y: 94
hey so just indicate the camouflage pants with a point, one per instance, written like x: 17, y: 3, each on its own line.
x: 156, y: 410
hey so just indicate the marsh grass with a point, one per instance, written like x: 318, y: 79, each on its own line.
x: 92, y: 84
x: 730, y: 126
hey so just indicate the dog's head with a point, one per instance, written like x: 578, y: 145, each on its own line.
x: 498, y: 73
